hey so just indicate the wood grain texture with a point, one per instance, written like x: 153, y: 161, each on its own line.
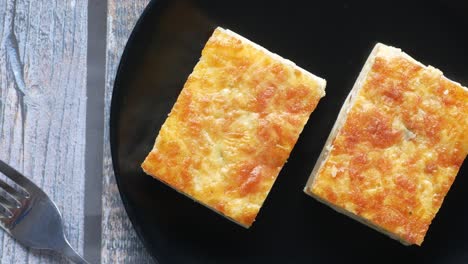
x: 43, y: 108
x: 119, y: 241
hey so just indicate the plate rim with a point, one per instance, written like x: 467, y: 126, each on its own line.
x: 113, y: 113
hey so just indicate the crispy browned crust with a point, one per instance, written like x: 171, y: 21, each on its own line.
x: 233, y: 126
x: 399, y: 150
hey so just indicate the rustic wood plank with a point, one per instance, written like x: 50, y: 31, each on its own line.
x: 119, y: 241
x: 43, y: 108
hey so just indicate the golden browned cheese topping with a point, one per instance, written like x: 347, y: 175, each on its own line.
x: 400, y: 148
x: 233, y: 126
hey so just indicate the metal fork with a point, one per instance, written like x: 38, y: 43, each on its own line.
x: 28, y: 215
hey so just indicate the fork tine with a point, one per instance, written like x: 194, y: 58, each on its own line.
x: 4, y: 211
x: 10, y: 190
x: 8, y: 203
x: 10, y: 194
x: 17, y: 177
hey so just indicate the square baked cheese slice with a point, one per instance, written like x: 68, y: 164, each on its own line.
x: 396, y: 147
x: 233, y: 126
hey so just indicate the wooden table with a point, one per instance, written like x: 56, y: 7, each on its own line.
x: 57, y: 68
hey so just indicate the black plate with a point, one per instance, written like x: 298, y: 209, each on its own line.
x: 331, y: 39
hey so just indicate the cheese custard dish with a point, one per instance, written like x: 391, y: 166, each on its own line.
x: 233, y: 126
x: 396, y: 147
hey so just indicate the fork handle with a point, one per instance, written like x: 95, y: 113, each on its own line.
x: 71, y: 254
